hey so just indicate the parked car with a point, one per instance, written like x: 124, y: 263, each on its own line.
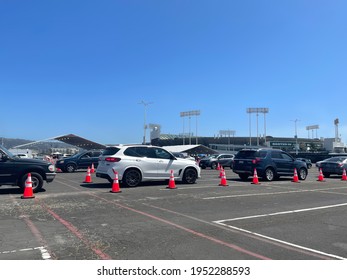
x: 308, y: 162
x: 225, y: 160
x: 333, y: 165
x: 269, y: 163
x: 138, y: 163
x: 14, y: 170
x: 81, y: 160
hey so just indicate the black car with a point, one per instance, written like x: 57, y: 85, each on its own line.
x: 269, y: 163
x: 225, y: 160
x: 14, y: 170
x: 308, y: 162
x: 333, y: 166
x: 81, y: 160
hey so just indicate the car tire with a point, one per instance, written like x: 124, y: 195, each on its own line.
x: 269, y: 174
x: 326, y: 174
x: 132, y: 178
x: 70, y: 168
x: 214, y: 165
x: 36, y: 179
x: 302, y: 174
x: 189, y: 176
x: 243, y: 177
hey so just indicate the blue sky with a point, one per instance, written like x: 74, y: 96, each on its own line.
x: 83, y: 67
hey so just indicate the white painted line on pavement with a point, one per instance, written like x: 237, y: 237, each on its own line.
x: 282, y: 241
x: 283, y: 213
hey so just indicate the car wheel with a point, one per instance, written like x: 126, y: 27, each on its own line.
x: 326, y: 174
x: 269, y: 174
x: 302, y: 174
x: 203, y: 167
x: 190, y: 175
x: 70, y: 168
x: 213, y: 165
x: 243, y: 177
x: 132, y: 178
x: 36, y: 179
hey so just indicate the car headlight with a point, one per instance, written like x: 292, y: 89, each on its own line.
x: 60, y: 161
x: 51, y: 168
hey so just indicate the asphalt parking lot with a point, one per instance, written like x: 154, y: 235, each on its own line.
x: 279, y: 220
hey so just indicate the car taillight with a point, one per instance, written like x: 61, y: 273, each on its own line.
x: 256, y: 160
x: 112, y: 159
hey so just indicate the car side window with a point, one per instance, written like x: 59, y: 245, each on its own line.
x: 160, y: 153
x: 276, y: 155
x: 96, y: 154
x: 136, y: 152
x: 86, y: 155
x: 286, y: 157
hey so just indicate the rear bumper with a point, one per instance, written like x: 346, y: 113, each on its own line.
x: 103, y: 176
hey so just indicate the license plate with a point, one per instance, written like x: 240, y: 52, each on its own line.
x: 241, y: 161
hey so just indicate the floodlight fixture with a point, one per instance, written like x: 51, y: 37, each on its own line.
x: 257, y: 111
x: 189, y: 114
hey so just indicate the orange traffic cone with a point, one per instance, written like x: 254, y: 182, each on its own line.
x: 223, y: 181
x: 92, y: 170
x: 221, y: 172
x: 295, y: 177
x: 28, y: 190
x: 344, y: 175
x: 255, y: 178
x: 321, y: 177
x: 172, y: 184
x: 218, y: 166
x: 115, y: 184
x: 88, y: 177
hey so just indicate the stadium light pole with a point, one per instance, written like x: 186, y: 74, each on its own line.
x: 227, y: 133
x: 312, y: 127
x: 145, y: 105
x: 189, y: 114
x: 257, y: 111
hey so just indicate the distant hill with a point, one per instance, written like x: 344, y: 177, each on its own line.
x: 12, y: 142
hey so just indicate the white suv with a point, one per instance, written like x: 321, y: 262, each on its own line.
x: 138, y: 163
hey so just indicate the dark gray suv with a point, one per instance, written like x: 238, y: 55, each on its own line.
x: 269, y: 163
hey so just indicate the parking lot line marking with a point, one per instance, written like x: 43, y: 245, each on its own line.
x: 23, y: 250
x: 250, y: 194
x: 282, y: 241
x: 284, y: 212
x: 35, y: 231
x: 271, y: 193
x: 246, y: 233
x: 76, y: 232
x: 196, y: 233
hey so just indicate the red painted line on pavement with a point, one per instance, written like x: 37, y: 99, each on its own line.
x: 34, y: 230
x: 76, y: 232
x: 229, y: 245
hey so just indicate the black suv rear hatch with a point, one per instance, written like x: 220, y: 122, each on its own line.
x: 245, y: 160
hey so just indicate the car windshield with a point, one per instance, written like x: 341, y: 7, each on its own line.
x: 7, y: 152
